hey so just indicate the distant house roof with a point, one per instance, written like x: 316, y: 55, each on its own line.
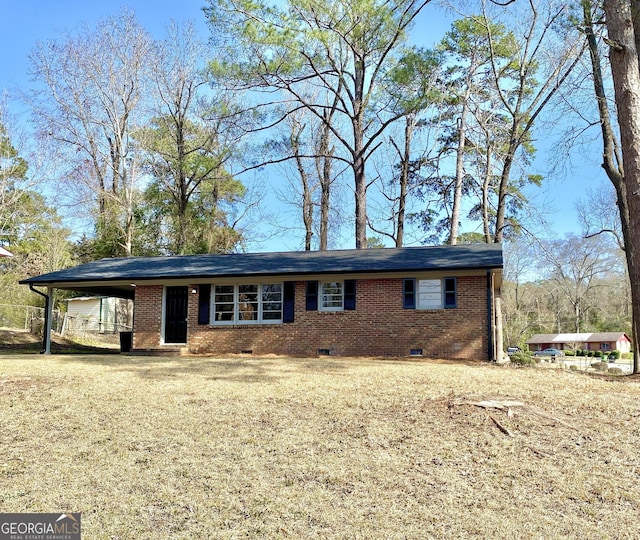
x: 584, y: 337
x: 5, y: 253
x: 107, y: 276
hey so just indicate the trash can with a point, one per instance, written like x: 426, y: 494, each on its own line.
x: 126, y: 341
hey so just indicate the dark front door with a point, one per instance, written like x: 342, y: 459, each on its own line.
x: 175, y: 315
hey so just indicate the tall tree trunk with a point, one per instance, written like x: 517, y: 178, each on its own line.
x: 486, y: 185
x: 501, y: 211
x: 611, y: 158
x: 325, y: 202
x: 410, y: 124
x: 457, y: 191
x: 307, y: 203
x: 361, y: 204
x: 625, y: 68
x: 325, y: 153
x: 360, y: 180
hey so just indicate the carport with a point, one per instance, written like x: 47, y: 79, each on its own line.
x: 79, y: 279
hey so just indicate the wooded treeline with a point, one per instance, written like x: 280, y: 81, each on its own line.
x: 337, y: 110
x: 580, y: 285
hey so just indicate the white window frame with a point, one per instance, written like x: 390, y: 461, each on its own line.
x: 236, y: 304
x: 430, y: 293
x: 323, y: 296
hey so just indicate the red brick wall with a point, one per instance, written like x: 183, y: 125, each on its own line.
x: 147, y: 317
x: 379, y: 326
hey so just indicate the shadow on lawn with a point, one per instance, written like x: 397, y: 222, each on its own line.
x: 23, y: 342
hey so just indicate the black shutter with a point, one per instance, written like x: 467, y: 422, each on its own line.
x: 288, y: 301
x: 204, y: 299
x: 349, y: 294
x: 450, y: 300
x: 409, y: 293
x: 312, y: 296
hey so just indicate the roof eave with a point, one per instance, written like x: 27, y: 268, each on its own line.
x: 130, y: 281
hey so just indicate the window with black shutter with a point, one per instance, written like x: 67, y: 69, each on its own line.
x: 204, y: 304
x: 429, y: 293
x: 409, y: 293
x: 312, y: 296
x: 288, y: 301
x: 349, y: 294
x: 450, y: 296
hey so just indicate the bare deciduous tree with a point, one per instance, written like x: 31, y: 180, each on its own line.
x: 575, y: 266
x: 92, y: 87
x: 188, y: 144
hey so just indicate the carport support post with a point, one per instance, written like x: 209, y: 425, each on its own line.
x: 48, y: 317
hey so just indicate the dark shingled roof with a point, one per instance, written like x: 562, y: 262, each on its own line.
x: 136, y: 269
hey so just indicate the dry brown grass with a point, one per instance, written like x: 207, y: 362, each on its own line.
x: 23, y: 341
x: 318, y: 448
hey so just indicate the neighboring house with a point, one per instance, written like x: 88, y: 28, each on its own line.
x: 595, y: 341
x: 104, y: 314
x: 435, y: 302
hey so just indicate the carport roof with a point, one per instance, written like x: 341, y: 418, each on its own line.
x: 115, y: 276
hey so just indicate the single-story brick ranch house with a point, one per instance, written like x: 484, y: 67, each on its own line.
x: 436, y: 302
x: 588, y: 341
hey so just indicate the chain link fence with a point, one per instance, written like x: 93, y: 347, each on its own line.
x: 74, y: 327
x: 84, y: 327
x: 28, y: 318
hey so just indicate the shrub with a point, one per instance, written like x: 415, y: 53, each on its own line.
x: 573, y: 367
x: 522, y: 359
x: 569, y: 352
x: 598, y: 354
x: 590, y: 354
x: 614, y: 371
x: 615, y: 354
x: 600, y: 366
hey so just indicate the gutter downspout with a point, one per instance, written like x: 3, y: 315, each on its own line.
x: 490, y: 320
x: 46, y: 337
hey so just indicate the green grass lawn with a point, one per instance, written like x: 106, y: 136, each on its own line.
x: 249, y: 447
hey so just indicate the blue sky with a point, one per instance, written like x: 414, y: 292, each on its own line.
x: 24, y: 22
